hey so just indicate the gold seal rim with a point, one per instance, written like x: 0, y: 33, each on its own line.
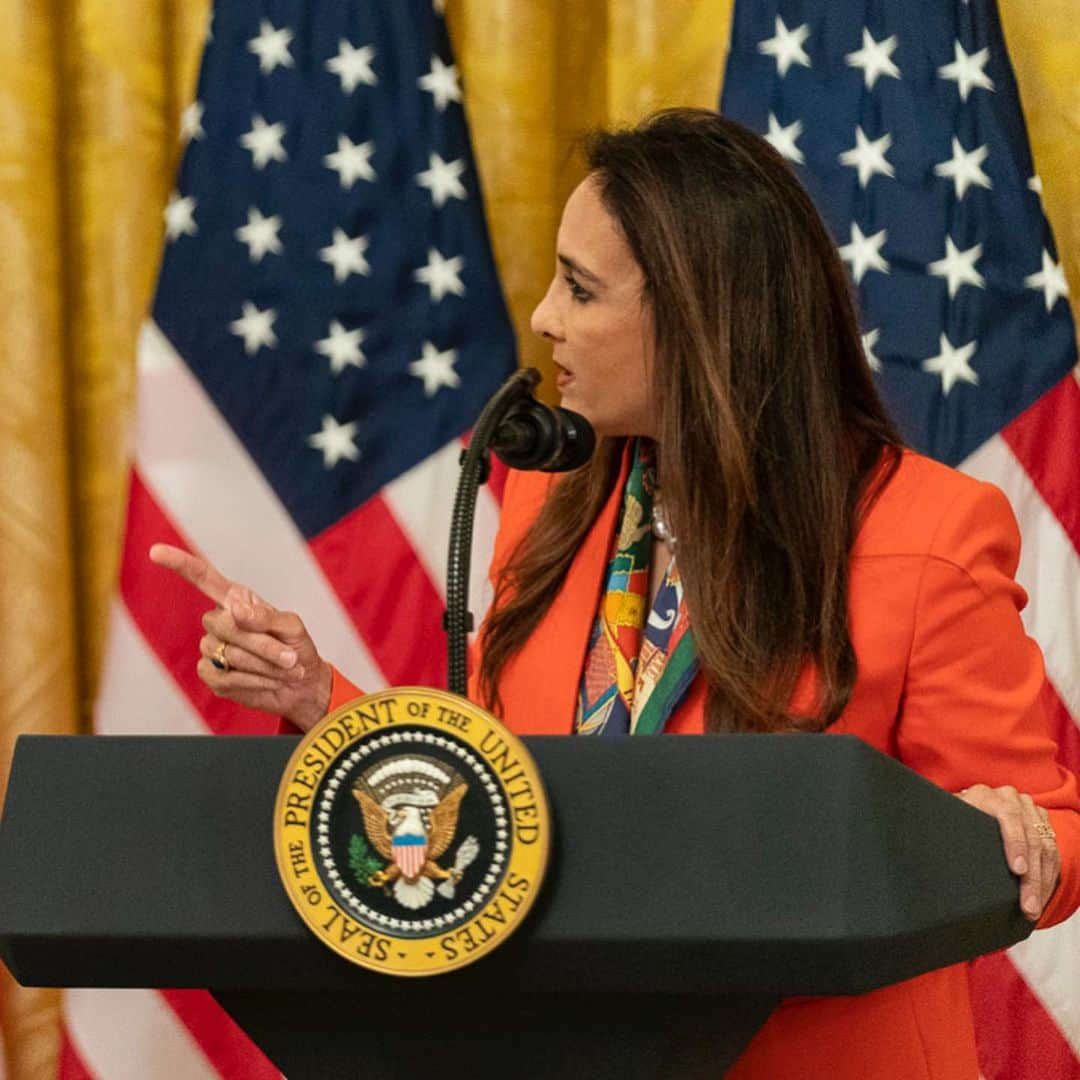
x: 538, y: 863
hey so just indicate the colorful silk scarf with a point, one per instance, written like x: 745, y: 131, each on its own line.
x: 637, y: 670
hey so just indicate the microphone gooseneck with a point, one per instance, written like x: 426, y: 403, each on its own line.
x: 526, y: 435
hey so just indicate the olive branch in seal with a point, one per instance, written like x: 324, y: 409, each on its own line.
x: 362, y: 862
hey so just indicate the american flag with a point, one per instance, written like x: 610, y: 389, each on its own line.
x: 327, y: 325
x: 904, y: 123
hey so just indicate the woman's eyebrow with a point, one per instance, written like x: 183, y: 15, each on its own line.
x: 578, y: 269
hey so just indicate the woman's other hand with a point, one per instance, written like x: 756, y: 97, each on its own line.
x: 252, y: 653
x: 1030, y: 845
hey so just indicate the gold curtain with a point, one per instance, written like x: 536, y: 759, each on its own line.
x: 90, y: 93
x: 90, y: 97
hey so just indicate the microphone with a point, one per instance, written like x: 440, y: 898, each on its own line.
x: 537, y: 436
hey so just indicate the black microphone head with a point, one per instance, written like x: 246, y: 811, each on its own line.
x: 578, y: 442
x: 537, y: 436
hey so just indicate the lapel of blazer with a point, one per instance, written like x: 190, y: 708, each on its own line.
x: 540, y: 685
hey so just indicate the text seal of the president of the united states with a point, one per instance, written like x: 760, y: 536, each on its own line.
x: 411, y: 831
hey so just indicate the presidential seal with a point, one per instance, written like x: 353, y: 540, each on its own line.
x: 411, y: 831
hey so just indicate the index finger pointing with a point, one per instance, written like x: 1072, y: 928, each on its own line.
x: 193, y: 569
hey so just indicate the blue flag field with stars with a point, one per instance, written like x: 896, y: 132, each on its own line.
x: 903, y: 122
x: 328, y: 275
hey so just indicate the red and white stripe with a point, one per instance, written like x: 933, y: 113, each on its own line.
x: 370, y: 589
x: 410, y: 859
x: 1027, y: 1000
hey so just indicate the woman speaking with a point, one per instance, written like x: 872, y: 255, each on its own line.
x: 751, y: 548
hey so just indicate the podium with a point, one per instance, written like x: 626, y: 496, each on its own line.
x: 694, y: 881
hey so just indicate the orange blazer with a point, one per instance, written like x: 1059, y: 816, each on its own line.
x: 948, y: 682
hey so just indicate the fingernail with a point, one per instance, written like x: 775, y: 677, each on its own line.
x: 299, y: 672
x: 1031, y: 905
x: 288, y: 658
x: 1020, y: 865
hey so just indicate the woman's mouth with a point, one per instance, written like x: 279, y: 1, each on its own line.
x: 563, y: 378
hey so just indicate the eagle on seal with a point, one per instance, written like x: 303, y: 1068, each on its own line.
x: 411, y: 829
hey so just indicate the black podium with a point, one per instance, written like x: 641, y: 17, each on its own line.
x: 694, y: 881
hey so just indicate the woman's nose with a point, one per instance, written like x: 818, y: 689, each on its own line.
x: 545, y: 322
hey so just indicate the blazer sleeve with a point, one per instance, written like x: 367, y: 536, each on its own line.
x: 974, y: 706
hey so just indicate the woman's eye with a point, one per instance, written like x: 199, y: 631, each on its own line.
x: 579, y: 294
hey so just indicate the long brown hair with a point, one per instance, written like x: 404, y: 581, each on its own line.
x: 770, y: 433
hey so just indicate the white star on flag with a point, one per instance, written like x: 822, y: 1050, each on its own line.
x: 256, y: 328
x: 191, y: 122
x: 180, y: 216
x: 864, y: 253
x: 868, y: 156
x: 342, y: 347
x: 787, y: 46
x: 958, y: 267
x: 351, y: 161
x: 1051, y: 279
x: 260, y: 234
x: 264, y: 142
x: 875, y: 58
x: 346, y: 255
x: 967, y: 71
x: 442, y: 179
x: 869, y: 340
x: 964, y: 169
x: 352, y: 66
x: 436, y: 369
x: 335, y: 441
x: 271, y: 47
x: 442, y: 83
x: 783, y: 139
x: 952, y: 365
x: 1035, y: 184
x: 440, y: 275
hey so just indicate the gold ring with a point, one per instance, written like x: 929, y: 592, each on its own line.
x: 1045, y: 831
x: 219, y: 659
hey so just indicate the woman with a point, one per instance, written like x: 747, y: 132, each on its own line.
x: 806, y: 573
